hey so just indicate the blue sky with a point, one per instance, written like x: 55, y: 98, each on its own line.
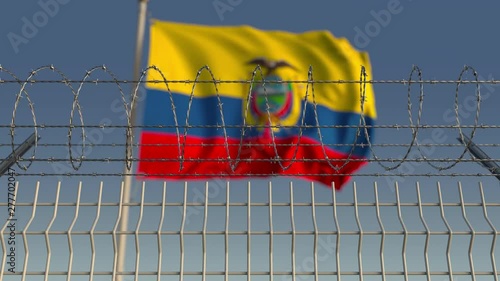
x: 440, y: 37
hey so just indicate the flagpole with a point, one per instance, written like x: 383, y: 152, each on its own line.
x: 128, y: 179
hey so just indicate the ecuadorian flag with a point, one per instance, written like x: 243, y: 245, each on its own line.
x: 268, y: 125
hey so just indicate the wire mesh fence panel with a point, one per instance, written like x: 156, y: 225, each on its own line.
x: 237, y: 229
x: 423, y: 208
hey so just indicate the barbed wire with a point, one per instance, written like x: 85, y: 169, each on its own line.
x: 244, y: 175
x: 395, y: 126
x: 253, y: 145
x: 182, y: 131
x: 218, y: 81
x: 222, y: 160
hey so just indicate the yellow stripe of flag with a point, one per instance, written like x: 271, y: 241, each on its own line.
x: 180, y: 50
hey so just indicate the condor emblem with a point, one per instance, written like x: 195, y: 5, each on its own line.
x: 270, y: 103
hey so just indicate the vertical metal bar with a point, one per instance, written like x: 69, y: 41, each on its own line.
x: 115, y: 247
x: 160, y: 227
x: 249, y: 236
x: 292, y: 220
x: 379, y: 219
x: 450, y: 231
x: 183, y: 224
x: 4, y: 247
x: 473, y: 235
x: 70, y: 242
x: 47, y: 240
x: 495, y: 233
x: 337, y: 246
x: 271, y: 232
x: 204, y: 236
x: 137, y: 245
x: 315, y: 224
x: 92, y: 230
x: 360, y: 241
x: 128, y: 179
x: 405, y: 232
x: 25, y: 238
x: 427, y: 232
x: 226, y: 237
x: 124, y: 213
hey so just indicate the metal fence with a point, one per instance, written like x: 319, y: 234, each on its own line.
x: 415, y: 213
x: 305, y: 238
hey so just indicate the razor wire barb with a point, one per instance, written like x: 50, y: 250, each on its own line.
x: 182, y: 131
